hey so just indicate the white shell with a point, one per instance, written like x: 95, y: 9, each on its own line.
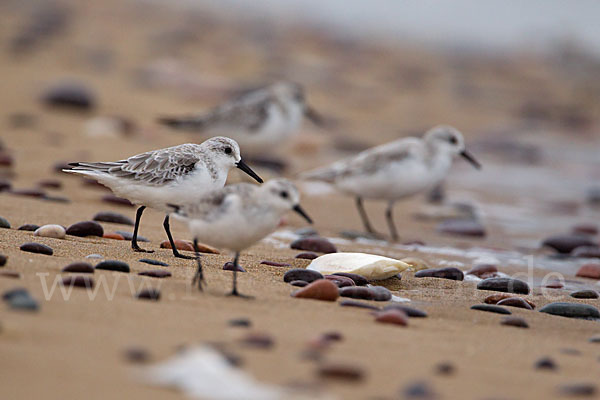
x: 370, y: 266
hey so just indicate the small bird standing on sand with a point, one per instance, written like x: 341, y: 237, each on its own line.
x: 237, y: 216
x: 395, y: 170
x: 258, y: 120
x: 174, y: 174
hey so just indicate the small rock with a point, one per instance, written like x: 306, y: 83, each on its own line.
x: 37, y: 248
x: 156, y: 273
x: 567, y: 243
x: 554, y: 285
x: 589, y: 271
x: 29, y: 227
x: 570, y: 351
x: 444, y: 273
x: 94, y: 256
x: 314, y: 243
x: 49, y: 184
x: 594, y: 339
x: 240, y: 322
x: 490, y: 308
x: 340, y: 281
x: 585, y: 294
x: 81, y: 281
x: 79, y: 267
x: 483, y: 270
x: 4, y: 223
x: 504, y: 285
x: 179, y: 244
x: 545, y: 363
x: 359, y: 280
x: 571, y: 310
x: 111, y: 198
x: 6, y: 160
x: 112, y: 235
x: 578, y: 389
x: 299, y: 283
x: 20, y: 299
x: 445, y: 368
x: 10, y: 274
x: 148, y: 294
x: 419, y: 390
x: 496, y: 297
x: 113, y: 217
x: 69, y: 95
x: 359, y: 304
x: 462, y: 227
x: 85, y: 228
x: 593, y: 196
x: 515, y: 302
x: 585, y: 229
x: 228, y: 266
x: 258, y: 340
x: 3, y: 260
x: 307, y: 255
x: 275, y: 264
x: 153, y: 262
x: 136, y: 355
x: 306, y: 231
x: 395, y: 316
x: 51, y: 231
x: 515, y: 321
x: 113, y: 265
x: 586, y: 252
x: 410, y: 311
x: 29, y: 193
x: 129, y: 236
x: 380, y: 293
x: 357, y: 292
x: 338, y: 371
x: 321, y: 289
x: 301, y: 274
x: 5, y: 185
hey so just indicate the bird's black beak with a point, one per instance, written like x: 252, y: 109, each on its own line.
x: 244, y: 167
x: 470, y: 159
x: 314, y: 116
x: 300, y: 211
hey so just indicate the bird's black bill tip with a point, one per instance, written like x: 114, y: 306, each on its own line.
x: 300, y: 211
x: 244, y: 167
x: 467, y: 156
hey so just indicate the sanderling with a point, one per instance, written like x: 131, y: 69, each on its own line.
x: 259, y: 119
x: 237, y: 216
x: 175, y: 174
x: 395, y: 170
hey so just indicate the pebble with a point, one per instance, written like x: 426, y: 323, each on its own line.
x: 153, y: 262
x: 258, y: 340
x: 307, y: 255
x: 340, y: 281
x: 49, y: 184
x: 85, y: 228
x: 129, y: 236
x: 578, y: 389
x: 357, y: 292
x: 148, y: 294
x: 496, y: 297
x: 301, y: 274
x: 299, y: 283
x: 3, y: 260
x: 81, y: 281
x: 321, y: 289
x: 515, y: 321
x: 314, y: 243
x: 113, y: 235
x: 10, y: 274
x: 4, y: 223
x: 111, y: 198
x: 113, y: 265
x: 545, y: 363
x: 515, y: 302
x: 419, y: 390
x: 6, y: 160
x: 589, y: 271
x: 29, y: 227
x: 240, y: 322
x: 359, y: 304
x: 585, y: 294
x: 451, y: 273
x: 79, y: 267
x: 94, y: 256
x: 380, y: 293
x: 586, y: 252
x: 228, y: 266
x: 51, y: 231
x: 396, y: 317
x: 593, y: 195
x: 5, y: 185
x: 585, y: 229
x: 490, y: 308
x: 359, y: 280
x: 39, y: 248
x: 339, y: 371
x: 462, y: 227
x: 179, y: 244
x: 554, y: 285
x: 29, y: 193
x: 594, y: 339
x: 69, y: 95
x: 567, y: 243
x: 504, y: 285
x: 275, y: 264
x: 445, y: 368
x: 156, y: 273
x: 410, y: 311
x: 483, y: 270
x: 113, y: 217
x: 571, y: 310
x: 20, y: 299
x: 136, y: 355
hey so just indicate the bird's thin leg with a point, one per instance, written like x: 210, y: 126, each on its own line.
x: 234, y: 291
x: 199, y: 276
x: 134, y: 244
x: 390, y: 221
x: 176, y: 252
x: 363, y: 215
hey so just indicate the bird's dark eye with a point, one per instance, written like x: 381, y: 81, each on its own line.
x: 284, y: 195
x: 453, y: 140
x: 228, y: 150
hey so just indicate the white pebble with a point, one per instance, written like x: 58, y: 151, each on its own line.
x: 371, y: 266
x: 52, y: 231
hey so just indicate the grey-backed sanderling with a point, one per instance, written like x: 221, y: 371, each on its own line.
x: 237, y: 216
x: 175, y: 174
x: 395, y: 170
x: 259, y: 119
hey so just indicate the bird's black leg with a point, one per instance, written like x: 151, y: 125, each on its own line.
x: 390, y: 221
x: 199, y: 276
x: 363, y: 216
x: 176, y: 252
x: 234, y: 291
x: 134, y: 244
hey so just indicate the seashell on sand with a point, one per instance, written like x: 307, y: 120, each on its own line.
x: 371, y: 266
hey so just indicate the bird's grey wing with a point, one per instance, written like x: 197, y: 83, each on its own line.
x: 248, y: 112
x: 214, y: 204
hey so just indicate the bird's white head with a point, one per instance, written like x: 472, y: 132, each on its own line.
x: 449, y: 139
x: 287, y: 91
x: 225, y: 152
x: 282, y: 195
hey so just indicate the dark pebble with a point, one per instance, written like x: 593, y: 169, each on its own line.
x: 482, y: 270
x: 586, y: 252
x: 515, y: 302
x: 113, y: 265
x: 28, y: 227
x: 240, y: 322
x: 153, y: 262
x: 410, y: 311
x: 591, y: 271
x: 69, y: 95
x: 340, y: 281
x: 148, y: 294
x: 585, y: 294
x: 275, y: 264
x: 20, y: 299
x: 359, y: 280
x: 3, y: 260
x: 444, y: 273
x: 57, y: 199
x: 6, y: 160
x: 594, y: 339
x: 490, y: 308
x: 380, y: 293
x: 301, y: 274
x: 299, y: 283
x: 110, y: 198
x: 419, y: 390
x: 10, y: 274
x: 129, y: 236
x: 5, y: 185
x: 314, y: 243
x: 228, y: 266
x: 359, y: 304
x: 136, y: 355
x: 113, y: 217
x: 4, y: 223
x: 39, y: 248
x: 445, y: 368
x: 14, y: 292
x: 507, y: 285
x: 307, y: 256
x: 79, y: 267
x: 357, y: 292
x: 578, y: 389
x: 81, y: 281
x: 338, y: 371
x: 37, y: 193
x: 567, y: 243
x: 85, y: 228
x: 258, y: 340
x: 156, y: 273
x: 515, y: 321
x: 545, y: 363
x: 571, y: 310
x: 462, y: 227
x: 50, y: 184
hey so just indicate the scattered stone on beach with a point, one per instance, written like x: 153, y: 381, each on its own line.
x: 299, y: 283
x: 112, y: 199
x: 419, y: 390
x: 79, y: 267
x: 395, y: 316
x: 184, y: 245
x: 81, y: 281
x: 554, y: 285
x: 156, y: 273
x: 85, y: 228
x: 567, y: 243
x: 153, y: 262
x: 589, y: 271
x: 275, y: 264
x: 546, y: 363
x: 113, y: 235
x: 28, y: 227
x: 307, y: 255
x: 586, y: 252
x: 148, y: 294
x: 6, y: 160
x: 357, y: 292
x: 136, y: 355
x: 490, y: 308
x: 585, y: 229
x: 340, y: 281
x: 594, y: 339
x: 515, y: 302
x: 258, y: 340
x: 20, y: 299
x: 571, y: 310
x: 483, y: 271
x: 359, y: 280
x: 49, y: 184
x: 229, y: 266
x: 113, y: 265
x: 10, y: 274
x: 410, y: 311
x: 69, y: 94
x: 37, y: 193
x: 462, y: 227
x: 416, y: 264
x: 3, y: 260
x: 321, y: 289
x: 39, y: 248
x: 113, y: 217
x: 370, y: 266
x: 445, y: 368
x: 380, y: 293
x: 578, y: 389
x: 585, y: 294
x: 451, y: 273
x: 316, y: 244
x: 5, y: 185
x: 51, y: 231
x: 306, y: 231
x: 95, y: 256
x: 514, y: 321
x: 4, y: 223
x: 339, y: 371
x: 301, y: 274
x: 240, y: 322
x: 496, y: 297
x: 358, y: 304
x: 129, y: 236
x: 504, y: 285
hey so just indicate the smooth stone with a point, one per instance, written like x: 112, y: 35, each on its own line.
x: 380, y: 293
x: 585, y: 294
x: 591, y: 271
x: 69, y: 95
x: 307, y: 255
x: 79, y: 267
x: 496, y: 297
x: 321, y: 289
x: 586, y: 252
x: 81, y: 281
x: 504, y: 285
x: 7, y: 295
x: 51, y: 231
x: 57, y: 199
x: 443, y: 273
x: 37, y: 193
x: 585, y: 229
x: 5, y: 185
x: 445, y: 368
x: 358, y: 304
x: 578, y: 389
x: 136, y: 355
x: 514, y: 321
x: 571, y: 310
x: 228, y: 266
x: 554, y: 285
x: 10, y: 274
x: 153, y: 262
x: 490, y: 308
x: 396, y: 317
x: 156, y: 273
x: 22, y: 301
x: 419, y: 390
x: 314, y: 243
x: 359, y: 280
x: 85, y: 228
x: 113, y: 217
x: 482, y: 270
x: 567, y: 243
x: 148, y: 294
x: 37, y: 248
x: 4, y: 223
x: 49, y: 184
x: 113, y: 265
x: 28, y: 227
x: 357, y: 292
x: 112, y: 235
x: 299, y: 283
x: 3, y: 260
x: 340, y: 281
x: 94, y: 256
x: 240, y: 322
x: 338, y: 371
x: 179, y: 244
x: 515, y: 302
x: 129, y: 236
x: 258, y: 340
x: 301, y: 274
x: 594, y: 339
x: 6, y: 160
x: 462, y: 227
x: 112, y: 199
x: 545, y: 363
x: 410, y: 311
x: 275, y: 264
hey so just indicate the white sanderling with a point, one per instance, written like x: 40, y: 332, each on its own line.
x: 395, y: 170
x: 258, y: 119
x: 237, y: 216
x: 175, y: 174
